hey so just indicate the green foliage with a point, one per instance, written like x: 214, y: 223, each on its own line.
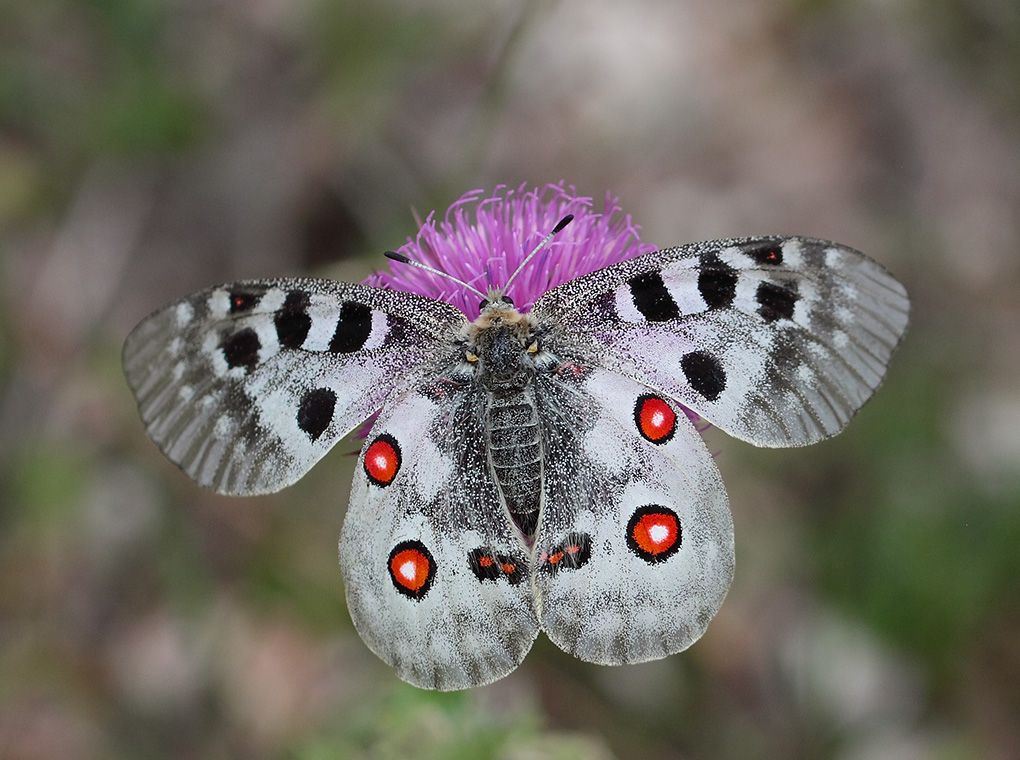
x: 406, y: 722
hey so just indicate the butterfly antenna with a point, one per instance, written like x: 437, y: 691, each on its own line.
x: 404, y: 260
x: 559, y: 226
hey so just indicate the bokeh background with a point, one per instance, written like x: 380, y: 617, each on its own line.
x: 151, y: 148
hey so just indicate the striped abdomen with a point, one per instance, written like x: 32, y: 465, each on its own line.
x: 515, y: 452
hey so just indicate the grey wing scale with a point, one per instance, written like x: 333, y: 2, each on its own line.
x: 245, y: 386
x: 436, y: 573
x: 776, y: 340
x: 634, y: 550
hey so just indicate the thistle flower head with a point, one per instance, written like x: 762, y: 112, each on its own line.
x: 483, y: 239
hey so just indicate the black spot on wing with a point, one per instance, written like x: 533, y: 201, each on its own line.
x: 766, y: 253
x: 316, y: 411
x: 652, y: 298
x: 292, y: 321
x: 352, y: 328
x: 717, y: 282
x: 397, y: 330
x: 705, y: 374
x: 776, y: 301
x: 242, y: 349
x: 242, y: 302
x: 491, y: 566
x: 572, y: 553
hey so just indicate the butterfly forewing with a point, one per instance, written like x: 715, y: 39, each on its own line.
x: 437, y: 576
x: 777, y: 341
x: 245, y: 386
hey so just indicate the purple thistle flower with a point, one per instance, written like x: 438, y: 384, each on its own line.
x: 482, y: 240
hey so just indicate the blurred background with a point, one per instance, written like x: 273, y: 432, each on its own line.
x: 151, y: 148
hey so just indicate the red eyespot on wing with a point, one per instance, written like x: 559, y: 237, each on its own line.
x: 654, y: 533
x: 382, y: 460
x: 655, y: 419
x: 412, y: 569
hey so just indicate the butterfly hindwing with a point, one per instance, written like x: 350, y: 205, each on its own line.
x: 777, y: 341
x: 245, y: 386
x: 437, y: 577
x: 634, y: 550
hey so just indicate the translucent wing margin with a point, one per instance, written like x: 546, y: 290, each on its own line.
x: 245, y: 386
x: 775, y: 340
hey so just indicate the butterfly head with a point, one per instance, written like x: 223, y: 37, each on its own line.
x: 496, y: 300
x: 501, y: 345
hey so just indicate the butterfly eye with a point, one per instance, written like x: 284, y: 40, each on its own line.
x: 471, y: 357
x: 507, y: 299
x: 533, y: 348
x: 483, y: 304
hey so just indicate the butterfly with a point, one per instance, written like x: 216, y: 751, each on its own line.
x: 532, y: 470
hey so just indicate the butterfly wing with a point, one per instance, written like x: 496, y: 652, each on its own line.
x: 634, y: 550
x: 245, y: 386
x: 776, y: 340
x: 437, y: 576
